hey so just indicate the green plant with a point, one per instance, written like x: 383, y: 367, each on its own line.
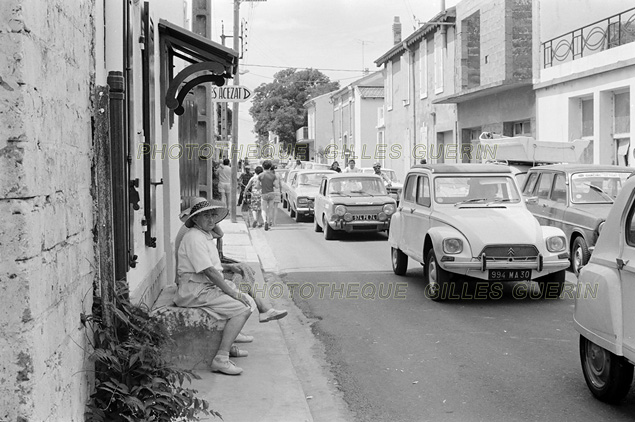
x: 133, y: 381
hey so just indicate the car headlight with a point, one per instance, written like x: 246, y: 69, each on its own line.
x: 389, y: 209
x: 601, y: 226
x: 556, y: 244
x: 340, y: 210
x: 452, y: 246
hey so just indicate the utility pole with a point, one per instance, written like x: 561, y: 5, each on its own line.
x: 233, y: 150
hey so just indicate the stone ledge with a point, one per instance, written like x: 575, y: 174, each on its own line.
x: 196, y: 334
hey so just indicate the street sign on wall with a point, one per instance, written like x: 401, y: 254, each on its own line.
x: 230, y: 93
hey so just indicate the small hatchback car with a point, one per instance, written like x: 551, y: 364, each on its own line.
x: 575, y: 198
x: 604, y: 314
x: 352, y: 202
x: 469, y: 219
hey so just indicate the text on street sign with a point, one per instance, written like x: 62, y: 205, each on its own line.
x: 236, y: 93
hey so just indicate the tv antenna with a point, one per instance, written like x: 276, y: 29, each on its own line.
x: 363, y: 42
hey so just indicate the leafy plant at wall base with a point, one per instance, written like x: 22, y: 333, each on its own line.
x: 133, y: 381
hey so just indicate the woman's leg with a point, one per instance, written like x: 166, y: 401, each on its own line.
x: 232, y: 328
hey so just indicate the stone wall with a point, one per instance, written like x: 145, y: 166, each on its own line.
x: 47, y: 263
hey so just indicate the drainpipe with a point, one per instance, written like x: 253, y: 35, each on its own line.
x: 413, y: 91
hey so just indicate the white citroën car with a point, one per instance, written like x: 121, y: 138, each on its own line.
x: 470, y: 220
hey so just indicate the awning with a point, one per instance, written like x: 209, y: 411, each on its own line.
x: 210, y: 62
x: 481, y: 91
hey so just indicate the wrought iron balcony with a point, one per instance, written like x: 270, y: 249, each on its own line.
x: 599, y: 36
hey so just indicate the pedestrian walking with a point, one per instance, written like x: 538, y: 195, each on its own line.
x: 268, y: 179
x: 254, y: 190
x: 225, y: 182
x: 243, y: 179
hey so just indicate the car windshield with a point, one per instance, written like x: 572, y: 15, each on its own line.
x: 357, y: 187
x: 475, y: 189
x: 311, y: 179
x: 596, y: 187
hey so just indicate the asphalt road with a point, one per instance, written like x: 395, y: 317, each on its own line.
x: 398, y: 356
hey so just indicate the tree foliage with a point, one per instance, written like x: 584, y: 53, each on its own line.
x: 278, y: 106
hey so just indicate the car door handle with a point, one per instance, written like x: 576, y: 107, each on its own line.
x: 621, y: 263
x: 412, y: 210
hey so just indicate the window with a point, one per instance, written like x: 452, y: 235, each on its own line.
x: 438, y: 62
x: 423, y: 69
x: 630, y: 226
x: 559, y: 192
x: 389, y: 85
x: 587, y: 117
x: 522, y: 128
x: 410, y: 189
x: 544, y: 186
x: 405, y: 71
x: 622, y: 114
x: 423, y: 193
x: 531, y: 184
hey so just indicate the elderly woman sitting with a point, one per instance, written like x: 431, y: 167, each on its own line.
x: 201, y: 282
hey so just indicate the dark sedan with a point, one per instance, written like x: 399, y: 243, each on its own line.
x: 577, y: 199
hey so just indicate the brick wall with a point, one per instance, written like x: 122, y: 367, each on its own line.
x: 46, y: 245
x: 520, y: 19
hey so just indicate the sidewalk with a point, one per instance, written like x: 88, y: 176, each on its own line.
x: 269, y: 389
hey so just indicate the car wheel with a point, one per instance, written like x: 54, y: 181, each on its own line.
x: 607, y: 375
x: 316, y: 226
x: 579, y: 255
x: 436, y: 277
x: 298, y: 217
x: 329, y: 232
x: 291, y: 211
x: 284, y: 204
x: 399, y: 261
x: 551, y: 285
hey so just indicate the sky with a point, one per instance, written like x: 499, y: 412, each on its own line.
x: 338, y: 37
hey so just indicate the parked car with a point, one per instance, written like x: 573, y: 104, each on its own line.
x: 604, y: 314
x: 284, y: 186
x: 352, y: 202
x: 469, y: 219
x: 575, y: 198
x: 394, y: 190
x: 303, y: 186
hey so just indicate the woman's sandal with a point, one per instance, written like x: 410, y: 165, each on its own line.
x: 235, y: 352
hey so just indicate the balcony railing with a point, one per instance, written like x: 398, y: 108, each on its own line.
x: 599, y: 36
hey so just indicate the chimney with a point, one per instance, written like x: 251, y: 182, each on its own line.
x: 396, y: 31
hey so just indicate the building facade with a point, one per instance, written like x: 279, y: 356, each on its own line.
x: 354, y: 117
x: 97, y: 131
x: 320, y: 124
x: 493, y: 80
x: 418, y: 70
x: 585, y: 76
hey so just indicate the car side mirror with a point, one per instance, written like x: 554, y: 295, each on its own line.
x: 532, y: 200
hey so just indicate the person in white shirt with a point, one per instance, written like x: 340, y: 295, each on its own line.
x: 225, y: 181
x: 384, y: 177
x: 351, y: 167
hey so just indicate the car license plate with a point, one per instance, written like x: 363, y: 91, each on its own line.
x: 364, y: 217
x: 510, y: 275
